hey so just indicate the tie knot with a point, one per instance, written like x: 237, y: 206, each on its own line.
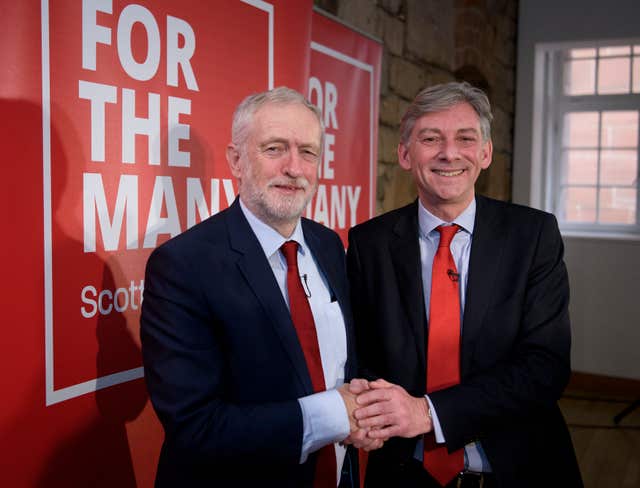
x: 290, y: 251
x: 446, y: 234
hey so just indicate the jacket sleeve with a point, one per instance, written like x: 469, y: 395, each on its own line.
x: 186, y: 371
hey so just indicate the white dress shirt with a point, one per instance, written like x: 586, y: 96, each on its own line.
x: 474, y: 457
x: 324, y: 414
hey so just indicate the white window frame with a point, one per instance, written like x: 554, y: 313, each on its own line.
x: 550, y: 105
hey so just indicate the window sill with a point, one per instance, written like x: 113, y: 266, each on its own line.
x: 593, y: 235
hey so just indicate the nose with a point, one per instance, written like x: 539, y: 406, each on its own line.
x: 292, y: 164
x: 448, y: 150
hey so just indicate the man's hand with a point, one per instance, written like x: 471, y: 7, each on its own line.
x: 358, y: 437
x: 387, y: 410
x: 358, y: 385
x: 362, y: 440
x: 350, y: 403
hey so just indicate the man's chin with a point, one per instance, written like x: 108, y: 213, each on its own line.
x: 287, y: 211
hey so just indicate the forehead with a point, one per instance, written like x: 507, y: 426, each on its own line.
x: 286, y: 120
x: 460, y: 116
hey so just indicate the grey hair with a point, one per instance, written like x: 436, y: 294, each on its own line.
x: 243, y: 115
x: 441, y: 97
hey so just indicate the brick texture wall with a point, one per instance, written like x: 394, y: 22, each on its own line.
x: 434, y: 41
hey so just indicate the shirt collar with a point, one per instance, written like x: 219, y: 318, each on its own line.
x: 428, y: 222
x: 270, y: 239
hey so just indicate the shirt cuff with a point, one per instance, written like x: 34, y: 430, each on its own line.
x: 324, y: 419
x: 437, y: 429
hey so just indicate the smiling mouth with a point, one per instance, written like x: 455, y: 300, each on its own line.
x: 289, y: 187
x: 448, y: 173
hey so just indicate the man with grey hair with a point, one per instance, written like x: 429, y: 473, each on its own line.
x: 246, y: 323
x: 460, y: 305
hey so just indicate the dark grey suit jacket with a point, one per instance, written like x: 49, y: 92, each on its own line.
x: 515, y: 337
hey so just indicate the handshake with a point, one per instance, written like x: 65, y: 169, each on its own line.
x: 379, y: 410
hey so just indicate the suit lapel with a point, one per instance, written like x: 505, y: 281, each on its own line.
x: 322, y: 258
x: 405, y: 255
x: 486, y: 254
x: 258, y: 274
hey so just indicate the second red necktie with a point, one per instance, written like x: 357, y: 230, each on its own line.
x: 443, y: 350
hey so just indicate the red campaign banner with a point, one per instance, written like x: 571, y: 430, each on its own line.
x: 114, y: 116
x: 141, y: 98
x: 344, y: 82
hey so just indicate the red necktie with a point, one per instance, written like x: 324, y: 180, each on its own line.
x: 443, y: 354
x: 325, y: 475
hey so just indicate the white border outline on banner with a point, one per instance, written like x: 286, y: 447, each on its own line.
x: 267, y: 7
x: 53, y: 396
x: 369, y: 69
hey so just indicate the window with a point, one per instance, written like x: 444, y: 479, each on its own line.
x: 592, y: 137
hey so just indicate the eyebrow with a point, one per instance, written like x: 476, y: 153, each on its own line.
x: 282, y: 140
x: 271, y: 140
x: 438, y: 131
x: 469, y: 129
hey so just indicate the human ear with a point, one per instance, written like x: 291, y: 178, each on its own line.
x: 403, y: 157
x: 486, y: 154
x: 233, y: 158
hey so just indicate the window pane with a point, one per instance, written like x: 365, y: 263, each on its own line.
x: 580, y: 129
x: 581, y: 167
x: 613, y: 75
x: 579, y: 204
x: 579, y: 77
x: 636, y: 49
x: 582, y: 53
x: 614, y: 51
x: 619, y: 129
x: 617, y: 206
x: 618, y: 167
x: 636, y: 74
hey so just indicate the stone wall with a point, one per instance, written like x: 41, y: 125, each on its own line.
x: 434, y: 41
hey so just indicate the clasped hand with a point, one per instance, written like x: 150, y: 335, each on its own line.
x: 379, y: 410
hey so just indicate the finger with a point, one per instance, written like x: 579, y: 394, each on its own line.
x: 380, y: 383
x: 358, y: 435
x: 377, y: 422
x: 359, y: 438
x: 367, y: 442
x: 370, y: 444
x: 371, y: 410
x: 365, y: 446
x: 358, y: 385
x: 384, y: 433
x: 364, y: 443
x: 372, y: 396
x: 377, y: 444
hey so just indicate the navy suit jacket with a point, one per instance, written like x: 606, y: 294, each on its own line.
x: 514, y: 346
x: 223, y: 364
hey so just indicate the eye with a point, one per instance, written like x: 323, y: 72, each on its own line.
x: 467, y: 140
x: 467, y: 135
x: 430, y: 140
x: 274, y: 149
x: 309, y: 154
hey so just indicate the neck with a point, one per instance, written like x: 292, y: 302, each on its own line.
x: 284, y: 229
x: 445, y: 211
x: 283, y: 226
